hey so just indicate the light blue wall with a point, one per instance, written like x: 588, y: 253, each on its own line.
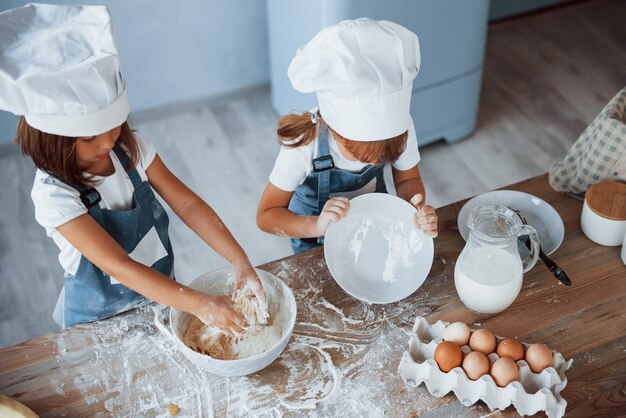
x: 173, y: 51
x: 178, y: 50
x: 452, y: 42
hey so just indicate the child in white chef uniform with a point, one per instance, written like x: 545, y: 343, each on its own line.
x: 362, y: 72
x: 93, y: 190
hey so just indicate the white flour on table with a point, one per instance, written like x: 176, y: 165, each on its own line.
x: 340, y: 362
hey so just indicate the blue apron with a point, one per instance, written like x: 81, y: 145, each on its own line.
x: 91, y: 294
x: 325, y: 179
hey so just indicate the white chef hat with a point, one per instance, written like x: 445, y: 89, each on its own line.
x: 362, y: 71
x: 59, y: 67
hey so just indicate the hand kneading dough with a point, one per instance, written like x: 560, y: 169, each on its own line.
x: 253, y: 309
x: 258, y: 338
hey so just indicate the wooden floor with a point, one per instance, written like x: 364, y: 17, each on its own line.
x: 546, y: 76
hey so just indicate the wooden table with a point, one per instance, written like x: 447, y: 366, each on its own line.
x: 343, y: 357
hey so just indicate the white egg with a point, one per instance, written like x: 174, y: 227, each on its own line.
x: 457, y: 332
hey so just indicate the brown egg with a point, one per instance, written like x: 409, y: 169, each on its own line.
x: 504, y: 371
x: 457, y: 332
x: 475, y: 364
x: 538, y: 357
x: 511, y: 348
x: 448, y: 355
x: 483, y: 340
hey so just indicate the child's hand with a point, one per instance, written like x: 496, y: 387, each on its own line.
x: 334, y: 210
x: 218, y: 312
x: 245, y: 275
x: 425, y: 217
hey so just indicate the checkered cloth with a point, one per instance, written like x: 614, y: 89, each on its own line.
x: 599, y: 153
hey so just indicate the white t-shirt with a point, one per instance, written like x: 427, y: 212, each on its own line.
x: 56, y: 203
x: 293, y: 165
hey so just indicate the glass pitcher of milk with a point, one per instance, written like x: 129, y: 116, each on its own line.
x: 489, y: 270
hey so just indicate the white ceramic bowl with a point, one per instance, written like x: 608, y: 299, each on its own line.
x: 376, y: 253
x: 282, y: 307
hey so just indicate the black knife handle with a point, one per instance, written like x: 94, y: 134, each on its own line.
x: 556, y: 270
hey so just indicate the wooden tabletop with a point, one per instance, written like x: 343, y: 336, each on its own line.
x: 343, y: 357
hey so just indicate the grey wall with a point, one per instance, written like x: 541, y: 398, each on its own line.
x: 174, y: 51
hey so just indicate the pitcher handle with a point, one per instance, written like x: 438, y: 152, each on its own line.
x: 533, y: 255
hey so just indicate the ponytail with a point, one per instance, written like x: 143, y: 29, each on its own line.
x: 298, y: 130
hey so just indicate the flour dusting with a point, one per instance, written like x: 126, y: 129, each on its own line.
x: 359, y: 236
x: 399, y: 253
x: 341, y: 361
x: 399, y: 247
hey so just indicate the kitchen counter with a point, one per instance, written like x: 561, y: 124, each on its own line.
x: 343, y: 357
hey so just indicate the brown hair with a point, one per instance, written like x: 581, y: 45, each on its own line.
x: 55, y: 154
x: 298, y: 130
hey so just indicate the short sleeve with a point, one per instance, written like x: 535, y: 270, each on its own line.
x: 411, y: 155
x: 292, y: 166
x: 147, y: 152
x: 56, y: 203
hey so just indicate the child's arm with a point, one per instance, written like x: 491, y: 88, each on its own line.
x: 274, y: 217
x: 203, y: 220
x: 93, y: 242
x: 409, y: 186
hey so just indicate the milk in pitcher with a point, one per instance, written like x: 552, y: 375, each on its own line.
x: 488, y: 279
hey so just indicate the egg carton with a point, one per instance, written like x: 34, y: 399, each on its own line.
x: 533, y: 393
